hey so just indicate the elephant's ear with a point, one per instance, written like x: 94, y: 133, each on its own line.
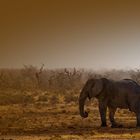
x: 96, y: 88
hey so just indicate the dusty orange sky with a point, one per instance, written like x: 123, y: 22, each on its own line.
x: 70, y: 33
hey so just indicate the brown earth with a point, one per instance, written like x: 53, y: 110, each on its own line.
x: 61, y: 121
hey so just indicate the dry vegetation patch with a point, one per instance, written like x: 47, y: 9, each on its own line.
x: 43, y: 104
x: 61, y: 121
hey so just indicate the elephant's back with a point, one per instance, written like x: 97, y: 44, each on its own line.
x: 131, y: 86
x: 131, y: 81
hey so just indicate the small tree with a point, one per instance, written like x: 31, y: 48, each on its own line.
x: 37, y: 74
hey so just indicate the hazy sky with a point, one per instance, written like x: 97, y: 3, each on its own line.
x: 70, y: 33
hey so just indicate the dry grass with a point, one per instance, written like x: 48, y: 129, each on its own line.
x: 44, y: 120
x: 46, y: 107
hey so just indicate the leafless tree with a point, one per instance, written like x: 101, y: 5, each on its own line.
x: 38, y: 75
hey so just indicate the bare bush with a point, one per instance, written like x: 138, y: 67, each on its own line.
x: 53, y: 100
x: 58, y: 80
x: 7, y: 98
x: 43, y: 98
x: 135, y: 75
x: 70, y: 98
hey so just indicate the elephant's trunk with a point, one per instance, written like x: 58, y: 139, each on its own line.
x: 82, y: 100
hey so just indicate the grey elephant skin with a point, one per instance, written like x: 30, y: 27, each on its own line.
x: 111, y: 94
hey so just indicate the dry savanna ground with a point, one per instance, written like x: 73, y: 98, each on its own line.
x: 42, y: 104
x: 58, y: 119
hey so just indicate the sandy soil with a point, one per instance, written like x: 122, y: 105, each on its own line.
x: 61, y: 122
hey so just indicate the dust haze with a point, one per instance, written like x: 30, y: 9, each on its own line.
x: 48, y: 50
x: 60, y: 34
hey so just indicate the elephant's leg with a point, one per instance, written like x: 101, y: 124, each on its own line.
x: 102, y: 110
x: 111, y: 116
x: 138, y: 119
x: 138, y: 113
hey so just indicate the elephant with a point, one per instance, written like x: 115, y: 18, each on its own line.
x: 111, y: 94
